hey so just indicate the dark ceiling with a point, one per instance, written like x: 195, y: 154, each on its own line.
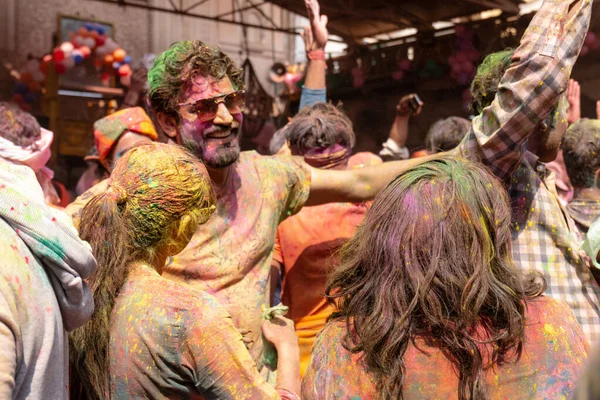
x: 354, y: 19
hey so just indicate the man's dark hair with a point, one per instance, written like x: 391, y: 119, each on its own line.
x: 18, y: 126
x: 581, y: 151
x: 318, y: 127
x: 446, y: 134
x: 181, y: 63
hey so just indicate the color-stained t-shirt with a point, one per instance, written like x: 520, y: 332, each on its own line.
x: 230, y: 255
x: 554, y: 354
x: 171, y: 341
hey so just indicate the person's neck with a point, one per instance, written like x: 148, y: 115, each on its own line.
x: 591, y: 193
x: 219, y: 175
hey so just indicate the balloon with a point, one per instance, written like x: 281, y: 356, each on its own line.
x: 119, y: 55
x: 405, y: 65
x: 101, y: 30
x: 83, y: 32
x: 127, y: 59
x: 430, y: 65
x: 111, y: 46
x: 108, y: 59
x: 90, y: 42
x: 584, y: 50
x: 94, y: 34
x: 58, y: 55
x: 126, y: 80
x: 424, y: 74
x: 101, y: 51
x: 26, y: 78
x: 89, y: 26
x: 34, y: 87
x: 596, y: 45
x: 461, y: 57
x: 38, y: 76
x: 17, y: 98
x: 464, y: 78
x: 25, y: 107
x: 29, y: 98
x: 104, y: 76
x: 100, y: 40
x: 468, y: 67
x: 77, y: 56
x: 116, y: 65
x: 20, y: 88
x: 67, y: 48
x: 98, y: 63
x: 124, y: 70
x: 80, y: 40
x: 60, y: 68
x: 460, y: 30
x: 590, y: 39
x: 69, y: 62
x: 398, y: 75
x: 85, y: 51
x: 45, y: 64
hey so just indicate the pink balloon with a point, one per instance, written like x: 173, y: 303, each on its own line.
x: 405, y: 65
x: 461, y: 57
x: 584, y: 50
x: 398, y: 75
x: 590, y: 39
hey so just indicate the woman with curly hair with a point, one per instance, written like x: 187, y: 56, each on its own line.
x: 430, y: 305
x: 150, y: 337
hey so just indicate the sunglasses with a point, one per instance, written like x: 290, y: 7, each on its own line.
x: 206, y: 109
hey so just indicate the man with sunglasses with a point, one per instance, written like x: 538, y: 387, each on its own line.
x: 196, y: 94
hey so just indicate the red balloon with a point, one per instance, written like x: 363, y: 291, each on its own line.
x: 100, y: 40
x: 34, y: 87
x: 58, y: 55
x: 124, y: 70
x: 26, y: 78
x: 25, y: 107
x: 60, y: 68
x: 584, y: 50
x: 86, y: 51
x: 17, y: 98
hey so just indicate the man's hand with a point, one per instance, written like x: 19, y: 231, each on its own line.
x: 403, y: 109
x: 574, y: 98
x: 315, y: 37
x: 598, y: 109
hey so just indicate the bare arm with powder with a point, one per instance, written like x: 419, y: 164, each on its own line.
x: 356, y: 185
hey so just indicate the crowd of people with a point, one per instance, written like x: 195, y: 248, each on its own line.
x: 187, y: 268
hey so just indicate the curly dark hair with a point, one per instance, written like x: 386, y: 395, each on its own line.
x: 433, y: 260
x: 446, y: 134
x: 19, y: 127
x: 581, y: 151
x: 318, y: 127
x: 182, y: 62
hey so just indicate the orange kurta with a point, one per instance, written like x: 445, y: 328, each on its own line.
x: 306, y: 246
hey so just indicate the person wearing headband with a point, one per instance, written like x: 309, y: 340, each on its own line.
x: 114, y: 135
x: 307, y: 243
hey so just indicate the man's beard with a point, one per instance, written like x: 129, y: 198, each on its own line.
x: 225, y: 155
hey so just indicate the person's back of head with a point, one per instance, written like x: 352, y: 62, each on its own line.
x: 157, y: 196
x: 489, y: 73
x: 446, y: 134
x: 433, y: 259
x: 18, y: 126
x: 581, y: 152
x: 322, y: 134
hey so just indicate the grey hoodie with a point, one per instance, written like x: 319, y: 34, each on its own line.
x: 42, y: 266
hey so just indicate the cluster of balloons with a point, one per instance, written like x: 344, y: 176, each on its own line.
x: 462, y: 64
x: 591, y: 42
x: 404, y: 66
x: 29, y: 86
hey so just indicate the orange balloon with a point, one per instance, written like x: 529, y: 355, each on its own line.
x: 26, y: 78
x: 108, y: 59
x: 119, y: 55
x: 98, y: 62
x: 83, y: 32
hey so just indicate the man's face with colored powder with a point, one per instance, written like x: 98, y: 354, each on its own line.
x: 213, y: 138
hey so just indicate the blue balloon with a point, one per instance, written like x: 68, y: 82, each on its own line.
x: 89, y: 27
x: 101, y: 30
x: 116, y: 65
x: 21, y: 88
x: 127, y: 60
x: 29, y: 98
x: 78, y: 58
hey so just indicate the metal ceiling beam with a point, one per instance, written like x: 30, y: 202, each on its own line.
x: 504, y: 5
x: 228, y: 13
x: 197, y: 4
x: 200, y: 16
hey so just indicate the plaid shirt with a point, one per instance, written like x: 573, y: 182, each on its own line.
x: 544, y: 235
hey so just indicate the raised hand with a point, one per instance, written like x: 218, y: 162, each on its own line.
x: 598, y: 109
x: 574, y: 98
x: 403, y: 109
x: 318, y: 27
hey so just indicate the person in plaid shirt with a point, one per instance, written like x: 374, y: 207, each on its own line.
x: 525, y: 109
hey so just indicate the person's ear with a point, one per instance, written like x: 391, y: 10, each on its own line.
x: 168, y: 124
